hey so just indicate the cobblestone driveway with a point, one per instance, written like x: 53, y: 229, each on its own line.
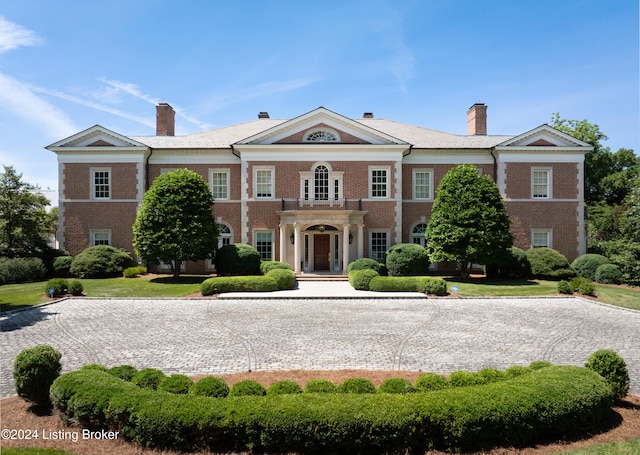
x: 223, y: 336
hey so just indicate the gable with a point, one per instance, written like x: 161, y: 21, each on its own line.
x: 324, y: 121
x: 544, y: 136
x: 96, y: 136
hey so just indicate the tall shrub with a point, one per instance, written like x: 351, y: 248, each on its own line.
x: 101, y: 261
x: 547, y: 263
x: 237, y: 259
x: 407, y: 259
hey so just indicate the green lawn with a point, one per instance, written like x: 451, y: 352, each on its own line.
x: 631, y: 447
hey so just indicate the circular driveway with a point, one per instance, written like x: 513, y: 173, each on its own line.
x: 216, y: 336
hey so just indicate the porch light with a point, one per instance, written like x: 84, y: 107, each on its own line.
x: 321, y: 228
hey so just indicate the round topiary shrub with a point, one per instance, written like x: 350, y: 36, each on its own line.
x: 60, y: 286
x: 407, y: 259
x: 320, y: 386
x: 148, y: 378
x: 465, y: 378
x: 94, y: 366
x: 210, y: 387
x: 564, y: 287
x: 237, y: 259
x: 285, y: 387
x: 102, y: 261
x: 176, y: 383
x: 34, y: 370
x: 286, y: 279
x: 431, y: 381
x: 491, y: 375
x: 356, y: 385
x: 368, y: 263
x: 587, y: 264
x: 62, y: 266
x: 608, y: 274
x: 549, y: 264
x: 396, y: 385
x: 612, y: 367
x: 247, y: 387
x: 125, y: 372
x: 360, y: 279
x: 75, y: 288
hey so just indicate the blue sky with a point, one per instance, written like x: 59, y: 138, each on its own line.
x: 68, y: 65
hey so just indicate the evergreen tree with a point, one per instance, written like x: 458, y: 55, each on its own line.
x: 175, y: 222
x: 469, y: 222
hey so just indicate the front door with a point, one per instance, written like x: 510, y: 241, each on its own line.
x: 321, y: 251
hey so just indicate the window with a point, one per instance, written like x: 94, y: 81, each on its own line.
x: 417, y: 234
x: 541, y: 183
x: 219, y: 181
x: 541, y: 238
x: 422, y: 184
x: 100, y: 237
x: 263, y: 178
x: 322, y: 136
x: 379, y: 245
x: 101, y: 183
x: 379, y: 182
x: 321, y: 183
x: 224, y: 235
x: 264, y: 244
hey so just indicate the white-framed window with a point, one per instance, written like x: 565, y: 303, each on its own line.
x: 541, y: 183
x: 378, y: 244
x: 263, y: 241
x: 219, y: 184
x: 263, y: 178
x: 225, y: 236
x: 322, y: 135
x: 321, y: 183
x: 423, y: 184
x: 100, y: 237
x: 100, y: 183
x: 417, y: 234
x: 379, y: 182
x: 541, y: 238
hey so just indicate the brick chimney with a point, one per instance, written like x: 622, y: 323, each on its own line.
x: 367, y: 115
x: 165, y: 120
x: 477, y: 120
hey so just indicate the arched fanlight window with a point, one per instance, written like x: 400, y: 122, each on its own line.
x: 321, y: 136
x: 224, y: 235
x: 321, y: 183
x: 417, y: 234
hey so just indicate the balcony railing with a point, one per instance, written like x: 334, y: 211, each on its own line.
x: 322, y: 204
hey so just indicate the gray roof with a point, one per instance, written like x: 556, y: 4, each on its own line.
x: 417, y: 136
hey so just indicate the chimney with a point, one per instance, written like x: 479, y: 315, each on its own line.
x: 263, y: 114
x: 477, y: 120
x: 367, y: 115
x: 165, y: 120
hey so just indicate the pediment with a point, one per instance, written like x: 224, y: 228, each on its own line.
x: 544, y: 136
x: 96, y: 136
x: 321, y: 126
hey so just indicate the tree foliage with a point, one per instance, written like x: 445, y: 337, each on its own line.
x: 469, y: 222
x: 175, y: 222
x: 24, y: 223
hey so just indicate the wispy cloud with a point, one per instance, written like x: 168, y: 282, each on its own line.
x: 13, y: 36
x: 20, y: 99
x: 134, y: 91
x: 217, y: 102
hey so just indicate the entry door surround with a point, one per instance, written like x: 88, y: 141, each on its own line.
x: 322, y: 252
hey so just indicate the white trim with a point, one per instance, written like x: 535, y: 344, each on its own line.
x: 216, y: 170
x: 92, y: 236
x: 116, y: 156
x: 560, y: 156
x: 428, y: 171
x: 255, y: 170
x: 102, y: 201
x: 321, y: 130
x: 549, y: 172
x: 92, y: 183
x: 184, y: 157
x: 273, y: 242
x: 313, y: 151
x: 549, y: 234
x: 387, y: 232
x: 453, y: 157
x: 387, y: 195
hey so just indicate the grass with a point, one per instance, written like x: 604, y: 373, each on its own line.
x: 631, y: 447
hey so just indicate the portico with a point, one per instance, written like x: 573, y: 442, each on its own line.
x: 321, y: 240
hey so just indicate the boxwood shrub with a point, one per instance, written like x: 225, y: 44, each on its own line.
x: 285, y: 278
x: 424, y: 284
x: 210, y: 387
x: 284, y: 387
x: 75, y: 287
x: 549, y: 264
x: 608, y: 274
x: 267, y: 266
x: 582, y: 285
x: 60, y: 287
x: 407, y: 259
x: 101, y: 261
x: 587, y: 264
x: 356, y: 385
x: 237, y: 259
x: 320, y: 386
x: 176, y: 383
x: 367, y: 263
x: 133, y: 272
x: 126, y: 372
x: 431, y: 381
x: 148, y: 378
x: 551, y: 402
x: 254, y: 283
x: 34, y: 370
x: 612, y: 367
x: 360, y: 279
x: 21, y: 270
x: 62, y: 265
x: 247, y: 387
x: 396, y: 385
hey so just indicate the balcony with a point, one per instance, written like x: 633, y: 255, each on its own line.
x: 322, y: 204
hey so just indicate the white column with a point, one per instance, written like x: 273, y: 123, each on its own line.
x: 297, y: 245
x: 361, y: 240
x: 283, y: 240
x: 345, y: 248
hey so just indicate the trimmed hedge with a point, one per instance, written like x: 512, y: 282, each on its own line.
x: 210, y: 387
x: 253, y: 283
x: 360, y: 279
x: 547, y: 403
x: 284, y: 387
x: 126, y: 372
x: 396, y: 385
x: 148, y: 378
x: 286, y: 279
x: 367, y: 263
x: 549, y: 264
x: 133, y: 272
x: 237, y: 259
x: 425, y: 284
x: 21, y: 270
x: 356, y: 385
x: 320, y: 386
x: 267, y: 266
x: 176, y: 383
x: 34, y: 370
x: 247, y: 387
x: 407, y: 259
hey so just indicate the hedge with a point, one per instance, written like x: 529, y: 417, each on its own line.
x: 551, y: 402
x: 254, y: 283
x: 407, y: 259
x: 267, y: 266
x: 21, y: 270
x: 587, y: 264
x: 360, y: 279
x: 549, y: 264
x: 427, y: 285
x: 367, y: 263
x: 286, y: 279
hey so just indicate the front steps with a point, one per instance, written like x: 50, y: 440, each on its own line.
x: 320, y: 277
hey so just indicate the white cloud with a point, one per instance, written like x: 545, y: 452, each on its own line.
x: 13, y: 36
x: 20, y: 99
